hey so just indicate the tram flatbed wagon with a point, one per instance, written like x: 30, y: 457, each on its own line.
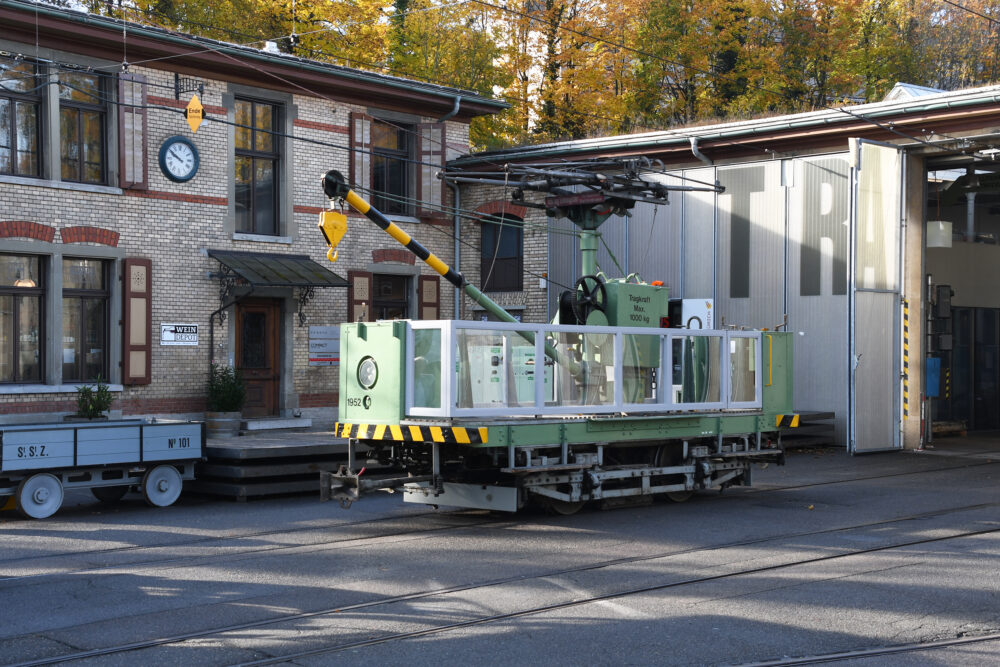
x: 39, y: 461
x: 611, y: 401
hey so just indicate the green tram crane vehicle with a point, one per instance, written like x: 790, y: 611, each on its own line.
x: 607, y: 403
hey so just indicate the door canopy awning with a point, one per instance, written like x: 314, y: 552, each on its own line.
x: 274, y: 270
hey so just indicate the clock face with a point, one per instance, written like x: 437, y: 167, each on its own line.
x: 178, y: 159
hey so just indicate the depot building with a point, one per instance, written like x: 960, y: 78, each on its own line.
x: 871, y: 231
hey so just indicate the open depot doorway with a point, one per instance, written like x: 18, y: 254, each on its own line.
x: 961, y: 324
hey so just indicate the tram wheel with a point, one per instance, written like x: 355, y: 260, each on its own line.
x: 563, y: 507
x: 161, y: 486
x: 109, y: 494
x: 39, y: 496
x: 671, y: 455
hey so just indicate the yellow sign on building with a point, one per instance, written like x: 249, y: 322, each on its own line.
x: 195, y: 113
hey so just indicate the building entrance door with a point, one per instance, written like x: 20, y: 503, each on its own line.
x: 257, y: 345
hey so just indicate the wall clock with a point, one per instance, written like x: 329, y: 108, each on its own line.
x: 179, y: 159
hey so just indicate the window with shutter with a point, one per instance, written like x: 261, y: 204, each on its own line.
x: 431, y: 154
x: 138, y: 322
x: 430, y: 297
x: 359, y: 296
x: 132, y: 132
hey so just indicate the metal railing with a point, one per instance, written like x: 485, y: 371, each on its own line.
x: 461, y: 368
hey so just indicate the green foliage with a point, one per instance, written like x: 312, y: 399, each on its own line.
x: 226, y: 391
x: 93, y: 401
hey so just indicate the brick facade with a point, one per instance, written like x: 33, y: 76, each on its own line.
x: 483, y: 200
x: 173, y: 224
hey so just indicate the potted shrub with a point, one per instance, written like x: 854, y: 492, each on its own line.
x: 92, y: 402
x: 226, y: 395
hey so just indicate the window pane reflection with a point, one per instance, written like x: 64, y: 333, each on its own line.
x: 743, y: 370
x: 263, y: 196
x: 427, y: 368
x: 19, y: 271
x: 6, y: 338
x: 29, y: 347
x: 69, y: 146
x: 244, y: 185
x: 697, y: 369
x: 83, y: 274
x: 80, y: 87
x: 242, y: 119
x: 71, y: 338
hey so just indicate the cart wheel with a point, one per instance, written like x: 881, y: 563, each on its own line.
x: 39, y: 496
x: 109, y: 494
x: 161, y: 486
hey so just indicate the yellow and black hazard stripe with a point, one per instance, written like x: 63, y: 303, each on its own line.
x: 787, y: 421
x: 411, y: 244
x: 906, y: 359
x: 454, y: 435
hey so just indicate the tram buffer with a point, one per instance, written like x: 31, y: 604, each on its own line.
x: 606, y: 403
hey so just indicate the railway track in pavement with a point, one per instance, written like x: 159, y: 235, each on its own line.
x: 378, y: 605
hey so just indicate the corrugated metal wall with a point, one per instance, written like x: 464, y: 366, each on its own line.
x: 699, y: 238
x: 780, y: 245
x: 564, y: 260
x: 751, y: 246
x: 816, y: 286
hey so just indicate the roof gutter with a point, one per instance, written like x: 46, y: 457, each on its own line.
x: 830, y: 122
x: 104, y: 23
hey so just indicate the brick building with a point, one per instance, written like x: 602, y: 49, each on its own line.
x: 137, y: 249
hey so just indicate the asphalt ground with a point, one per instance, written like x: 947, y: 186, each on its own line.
x: 828, y: 555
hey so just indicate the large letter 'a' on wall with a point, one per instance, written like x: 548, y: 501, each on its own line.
x: 825, y: 212
x: 138, y: 322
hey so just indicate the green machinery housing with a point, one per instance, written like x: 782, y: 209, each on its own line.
x: 606, y: 403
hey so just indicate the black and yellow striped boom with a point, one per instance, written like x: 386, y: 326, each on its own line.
x: 336, y: 187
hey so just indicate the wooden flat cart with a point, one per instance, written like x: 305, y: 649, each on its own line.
x: 39, y: 461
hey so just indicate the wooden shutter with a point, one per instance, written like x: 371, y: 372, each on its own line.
x: 431, y: 151
x: 359, y: 296
x: 137, y: 326
x: 360, y: 143
x: 429, y: 297
x: 133, y: 168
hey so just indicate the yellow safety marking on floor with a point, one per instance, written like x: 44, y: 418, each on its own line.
x: 484, y: 434
x: 379, y: 432
x: 461, y: 435
x: 416, y: 434
x: 397, y: 433
x: 436, y: 434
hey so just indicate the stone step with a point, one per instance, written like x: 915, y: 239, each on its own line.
x: 274, y: 424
